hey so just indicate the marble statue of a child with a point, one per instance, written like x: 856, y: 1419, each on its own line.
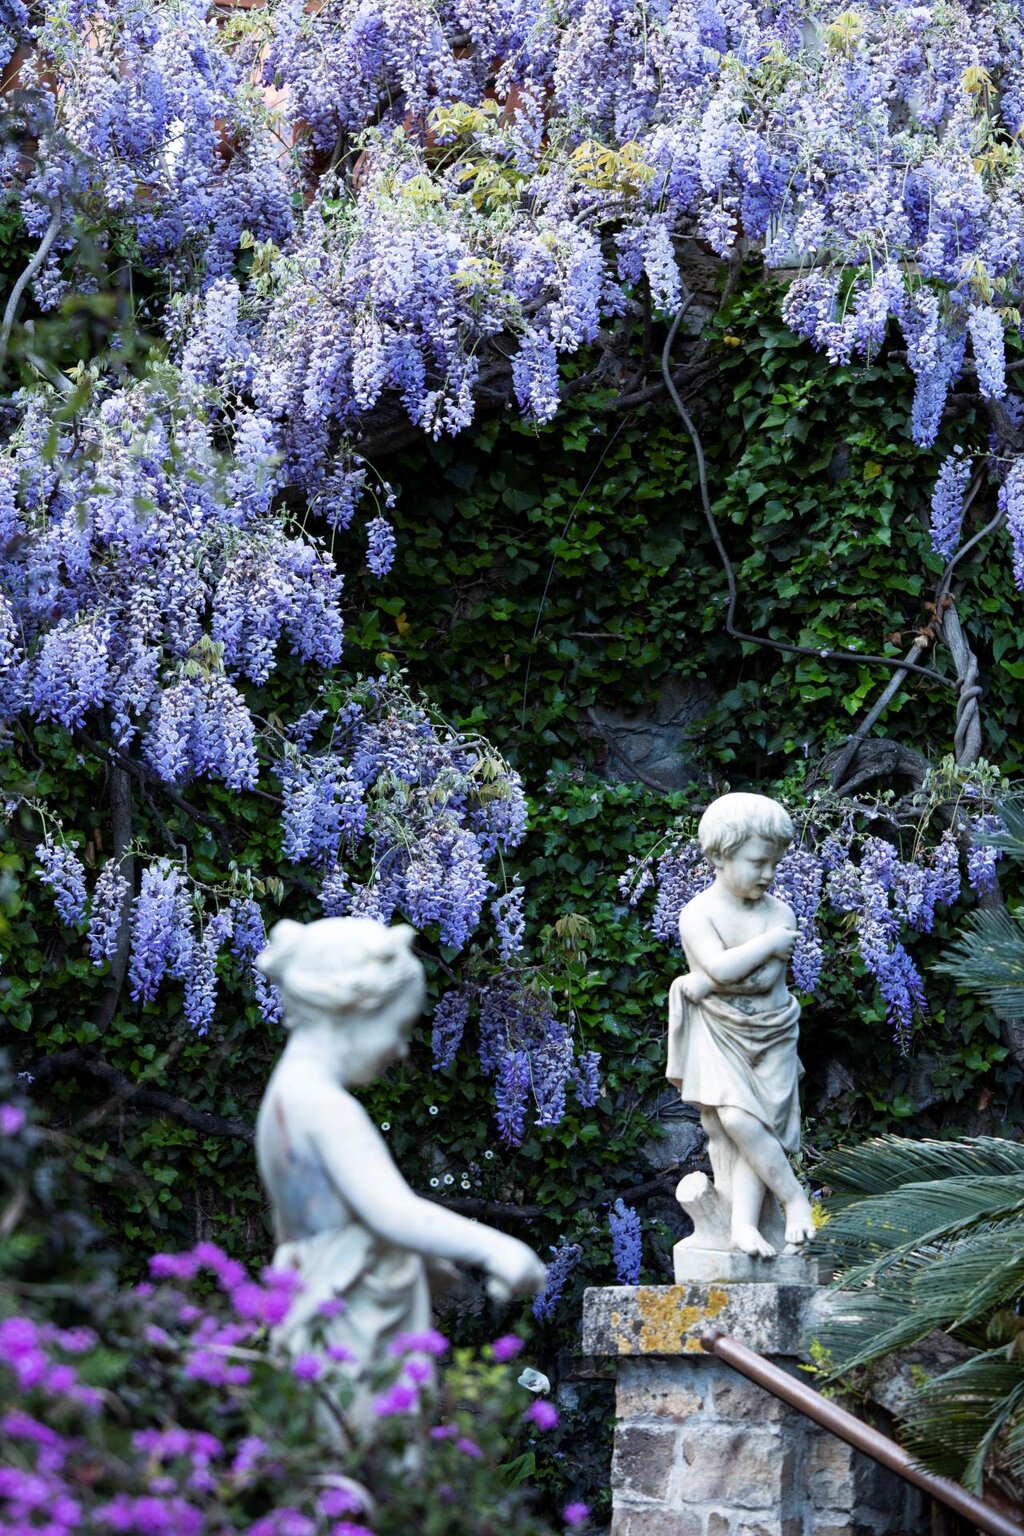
x: 360, y: 1239
x: 733, y: 1023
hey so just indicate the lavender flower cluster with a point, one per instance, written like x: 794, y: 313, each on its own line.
x: 150, y: 572
x: 878, y: 147
x: 151, y: 128
x: 432, y: 808
x: 172, y: 936
x: 136, y: 588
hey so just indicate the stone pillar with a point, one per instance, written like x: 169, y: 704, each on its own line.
x: 701, y: 1451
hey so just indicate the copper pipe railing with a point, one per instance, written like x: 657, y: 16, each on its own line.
x: 861, y: 1436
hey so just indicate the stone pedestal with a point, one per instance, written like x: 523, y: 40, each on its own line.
x: 699, y: 1450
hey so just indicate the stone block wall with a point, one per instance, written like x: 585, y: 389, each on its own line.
x: 700, y: 1451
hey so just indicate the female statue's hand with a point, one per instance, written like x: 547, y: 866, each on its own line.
x: 513, y: 1269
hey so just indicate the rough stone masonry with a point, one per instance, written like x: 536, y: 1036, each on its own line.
x: 700, y: 1451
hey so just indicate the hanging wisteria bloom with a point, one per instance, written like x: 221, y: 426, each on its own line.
x: 110, y: 893
x: 531, y: 1055
x: 798, y: 882
x: 63, y: 872
x: 449, y: 1025
x: 948, y: 503
x: 624, y: 1226
x: 564, y: 1260
x: 982, y: 858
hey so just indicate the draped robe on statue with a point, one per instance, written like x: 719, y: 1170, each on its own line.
x: 384, y: 1289
x: 720, y: 1056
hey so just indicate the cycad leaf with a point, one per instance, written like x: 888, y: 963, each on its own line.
x: 886, y: 1162
x: 933, y: 1234
x: 988, y: 958
x: 871, y: 1234
x: 1012, y: 1451
x: 955, y: 1420
x: 866, y: 1326
x: 978, y: 1275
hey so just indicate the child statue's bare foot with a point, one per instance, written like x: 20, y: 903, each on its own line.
x: 749, y: 1240
x: 799, y: 1220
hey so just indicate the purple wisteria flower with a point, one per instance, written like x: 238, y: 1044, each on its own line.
x: 624, y: 1226
x: 509, y: 921
x: 682, y: 874
x: 448, y: 1026
x: 110, y: 893
x: 381, y: 545
x: 566, y: 1257
x: 62, y: 870
x: 586, y: 1078
x: 511, y: 1086
x: 798, y: 881
x: 948, y: 502
x: 981, y: 857
x: 988, y: 341
x: 176, y: 537
x: 158, y: 941
x: 1011, y: 504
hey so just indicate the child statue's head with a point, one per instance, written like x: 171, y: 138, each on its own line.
x: 732, y: 820
x: 352, y: 973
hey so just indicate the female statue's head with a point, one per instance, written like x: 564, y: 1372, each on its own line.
x: 354, y: 975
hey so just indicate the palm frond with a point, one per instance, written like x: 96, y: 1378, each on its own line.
x: 988, y: 958
x: 886, y: 1162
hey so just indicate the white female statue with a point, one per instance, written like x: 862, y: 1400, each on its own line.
x: 733, y: 1027
x: 345, y: 1218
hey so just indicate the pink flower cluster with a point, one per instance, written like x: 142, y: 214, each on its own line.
x: 199, y: 1374
x: 254, y: 1305
x: 175, y: 1477
x: 33, y: 1351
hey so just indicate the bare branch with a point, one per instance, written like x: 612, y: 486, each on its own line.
x: 76, y: 1060
x: 499, y: 1210
x: 967, y: 741
x: 892, y: 688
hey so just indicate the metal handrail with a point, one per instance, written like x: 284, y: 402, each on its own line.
x: 838, y: 1421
